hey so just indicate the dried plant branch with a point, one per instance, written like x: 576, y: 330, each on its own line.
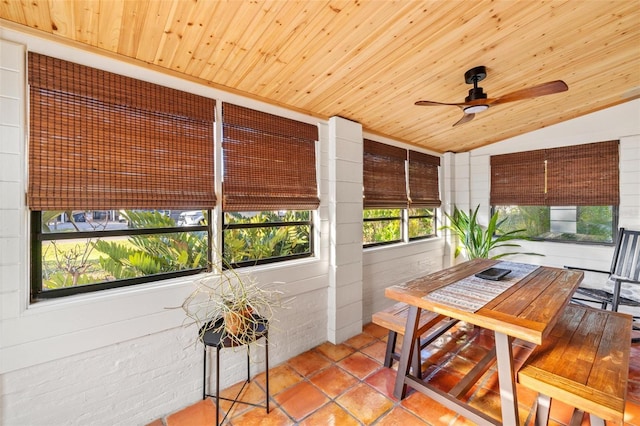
x: 235, y: 297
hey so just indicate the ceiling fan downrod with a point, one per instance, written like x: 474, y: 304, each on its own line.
x: 473, y: 76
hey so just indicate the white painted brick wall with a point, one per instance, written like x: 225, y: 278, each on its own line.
x: 136, y: 381
x: 118, y: 384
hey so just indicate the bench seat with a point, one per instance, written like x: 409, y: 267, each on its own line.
x: 584, y: 362
x: 394, y: 319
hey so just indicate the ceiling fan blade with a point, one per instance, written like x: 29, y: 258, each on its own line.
x: 543, y: 89
x: 465, y: 119
x: 462, y: 105
x: 431, y: 103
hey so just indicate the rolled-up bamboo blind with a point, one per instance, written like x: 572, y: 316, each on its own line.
x: 578, y: 175
x: 583, y: 175
x: 384, y: 177
x: 518, y: 179
x: 424, y: 190
x: 269, y: 162
x: 99, y: 140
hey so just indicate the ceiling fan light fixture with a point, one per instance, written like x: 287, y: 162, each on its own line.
x: 474, y: 109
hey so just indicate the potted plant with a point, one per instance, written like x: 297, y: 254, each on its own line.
x: 234, y: 297
x: 476, y: 240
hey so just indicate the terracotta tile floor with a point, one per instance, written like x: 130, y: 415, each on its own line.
x: 346, y: 385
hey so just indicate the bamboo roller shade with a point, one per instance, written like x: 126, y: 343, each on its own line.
x: 579, y: 175
x: 424, y: 190
x: 99, y: 140
x: 385, y: 177
x: 269, y: 162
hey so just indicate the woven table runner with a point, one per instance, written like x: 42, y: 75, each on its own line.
x: 472, y: 293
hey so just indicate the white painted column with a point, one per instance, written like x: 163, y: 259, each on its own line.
x: 448, y: 201
x: 345, y: 217
x: 629, y: 215
x: 462, y: 181
x: 12, y: 146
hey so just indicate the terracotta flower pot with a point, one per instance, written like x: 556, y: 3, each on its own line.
x: 237, y: 322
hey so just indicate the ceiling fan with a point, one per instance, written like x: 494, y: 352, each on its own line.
x: 477, y: 100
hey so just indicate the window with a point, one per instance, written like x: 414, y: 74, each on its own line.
x: 112, y: 162
x: 96, y: 250
x: 269, y: 187
x: 586, y: 224
x: 568, y: 194
x: 250, y: 238
x: 386, y: 226
x: 424, y: 194
x: 421, y: 223
x: 385, y: 193
x: 382, y: 226
x: 400, y: 194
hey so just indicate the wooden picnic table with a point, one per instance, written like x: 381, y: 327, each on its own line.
x: 527, y: 310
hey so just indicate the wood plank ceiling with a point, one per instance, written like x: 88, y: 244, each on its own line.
x: 369, y: 61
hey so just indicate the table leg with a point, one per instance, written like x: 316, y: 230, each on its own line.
x: 542, y: 410
x: 218, y: 385
x: 506, y: 379
x: 204, y: 374
x: 413, y: 318
x: 266, y: 367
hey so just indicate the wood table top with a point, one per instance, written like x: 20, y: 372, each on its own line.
x: 528, y: 310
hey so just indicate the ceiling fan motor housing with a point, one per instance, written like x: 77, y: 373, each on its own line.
x: 474, y: 94
x: 473, y: 76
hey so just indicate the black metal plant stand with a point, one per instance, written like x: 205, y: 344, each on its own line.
x: 215, y: 336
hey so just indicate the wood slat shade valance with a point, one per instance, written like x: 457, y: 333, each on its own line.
x: 269, y: 162
x: 578, y: 175
x: 384, y: 176
x: 99, y: 140
x: 424, y: 189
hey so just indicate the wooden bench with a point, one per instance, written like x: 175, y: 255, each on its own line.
x: 584, y: 362
x: 395, y: 320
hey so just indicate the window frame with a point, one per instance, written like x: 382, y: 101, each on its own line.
x: 38, y: 237
x: 615, y: 210
x: 400, y: 218
x: 386, y: 188
x: 433, y: 216
x: 274, y: 259
x: 404, y: 219
x: 77, y: 84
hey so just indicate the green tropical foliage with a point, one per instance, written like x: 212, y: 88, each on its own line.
x: 420, y: 222
x: 532, y: 220
x: 387, y: 228
x: 264, y: 237
x: 593, y: 223
x: 477, y: 241
x: 152, y: 254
